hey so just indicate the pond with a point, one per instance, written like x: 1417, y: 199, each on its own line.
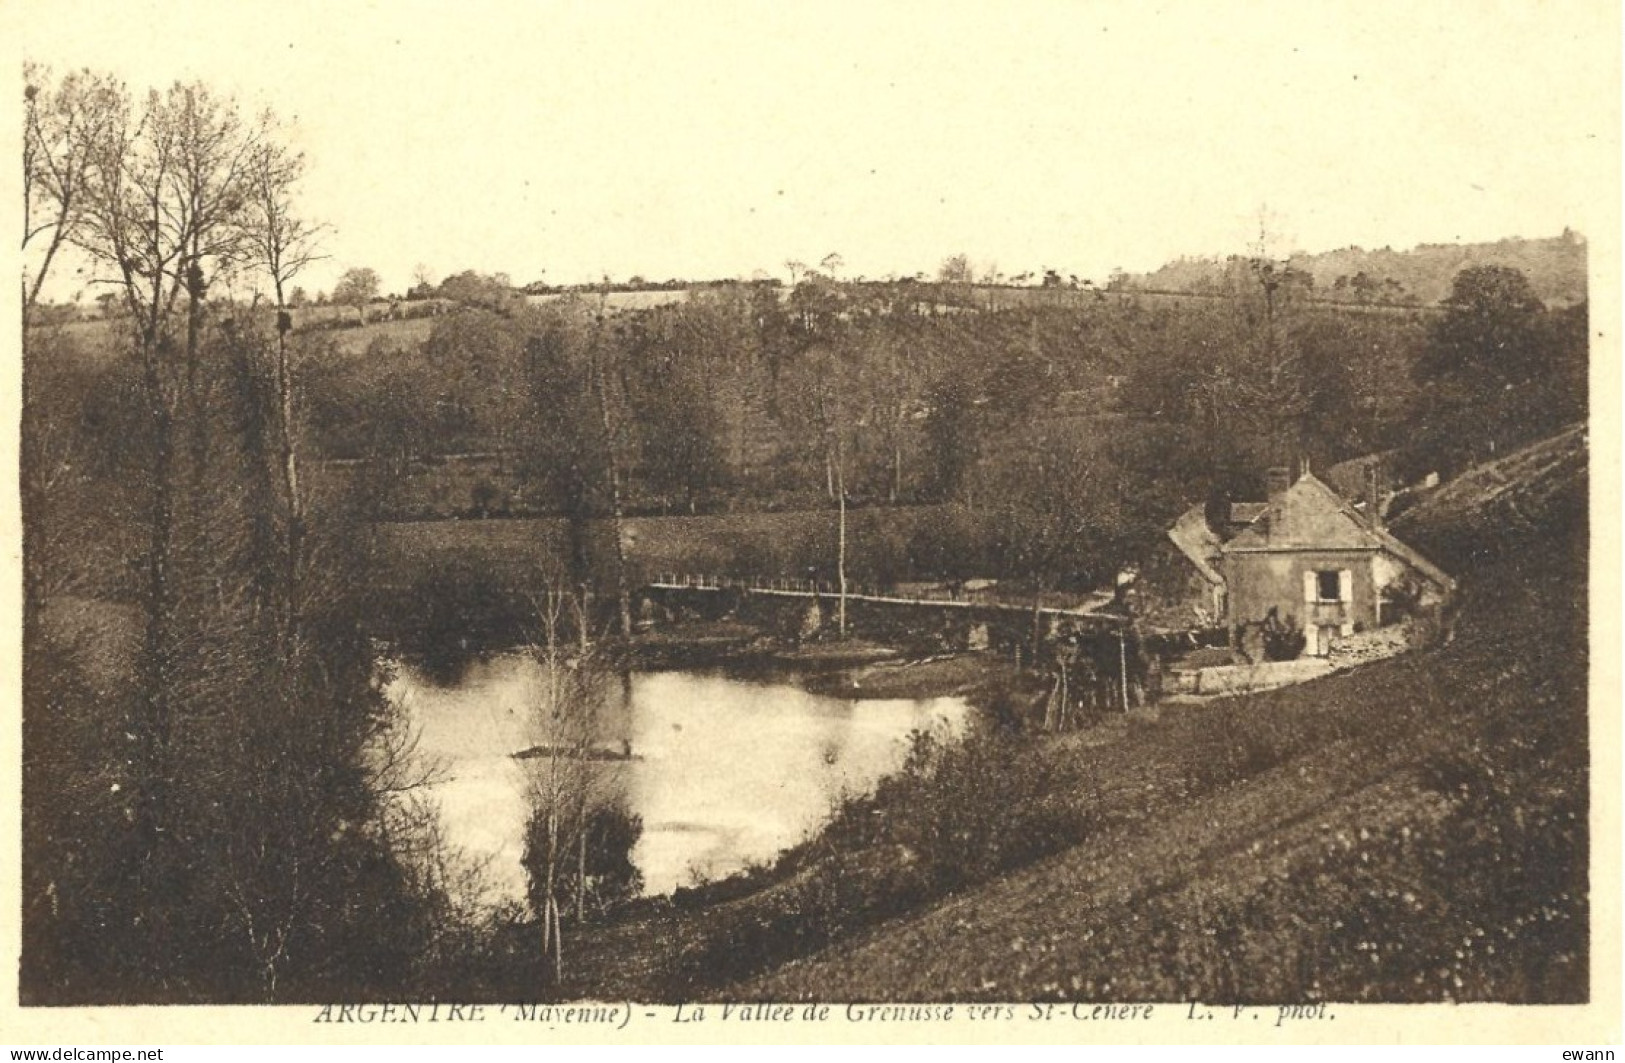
x: 724, y: 772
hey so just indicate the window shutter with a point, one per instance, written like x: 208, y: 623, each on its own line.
x: 1345, y: 586
x: 1309, y: 589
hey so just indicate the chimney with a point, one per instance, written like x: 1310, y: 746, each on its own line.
x: 1373, y: 495
x: 1277, y: 480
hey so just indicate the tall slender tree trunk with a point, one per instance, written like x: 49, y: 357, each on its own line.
x: 1122, y: 666
x: 740, y: 425
x: 32, y: 290
x: 581, y: 870
x: 896, y: 464
x: 292, y: 557
x: 558, y: 942
x: 549, y: 905
x: 1038, y: 619
x: 156, y: 668
x: 194, y: 408
x: 617, y: 513
x: 1066, y: 697
x: 840, y: 547
x: 551, y: 793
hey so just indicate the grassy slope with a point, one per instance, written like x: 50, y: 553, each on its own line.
x: 1413, y: 830
x: 1514, y: 498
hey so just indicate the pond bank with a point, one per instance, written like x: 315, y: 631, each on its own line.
x: 951, y: 675
x: 853, y: 669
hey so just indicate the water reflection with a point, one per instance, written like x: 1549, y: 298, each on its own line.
x: 725, y: 772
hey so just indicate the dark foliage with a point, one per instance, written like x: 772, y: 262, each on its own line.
x: 239, y: 847
x: 607, y: 835
x: 1498, y: 371
x: 958, y: 813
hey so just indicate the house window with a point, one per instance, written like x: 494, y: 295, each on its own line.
x: 1328, y: 587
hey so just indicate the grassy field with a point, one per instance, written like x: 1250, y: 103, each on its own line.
x: 615, y: 302
x: 398, y: 335
x: 99, y: 338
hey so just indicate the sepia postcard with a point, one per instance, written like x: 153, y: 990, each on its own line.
x: 1049, y: 522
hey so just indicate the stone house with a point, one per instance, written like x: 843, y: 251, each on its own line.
x: 1307, y: 559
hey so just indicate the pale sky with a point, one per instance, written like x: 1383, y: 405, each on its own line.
x: 566, y: 141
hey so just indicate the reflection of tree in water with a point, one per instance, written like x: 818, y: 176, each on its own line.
x: 441, y: 664
x: 579, y: 839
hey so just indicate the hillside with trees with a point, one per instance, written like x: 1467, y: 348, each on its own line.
x: 749, y: 398
x: 1421, y: 276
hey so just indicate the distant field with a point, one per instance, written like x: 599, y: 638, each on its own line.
x: 616, y: 302
x: 396, y: 334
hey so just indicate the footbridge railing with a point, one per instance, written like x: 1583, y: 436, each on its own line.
x: 862, y: 592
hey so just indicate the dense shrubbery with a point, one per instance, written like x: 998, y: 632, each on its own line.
x: 965, y: 809
x: 222, y: 835
x: 604, y: 876
x: 959, y: 812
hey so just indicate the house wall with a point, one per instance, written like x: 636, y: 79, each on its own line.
x: 1388, y: 568
x: 1258, y: 581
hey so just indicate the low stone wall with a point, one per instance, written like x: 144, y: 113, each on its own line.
x: 1242, y: 678
x: 1349, y: 651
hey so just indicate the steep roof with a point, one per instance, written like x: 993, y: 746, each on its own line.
x: 1307, y: 515
x: 1198, y: 542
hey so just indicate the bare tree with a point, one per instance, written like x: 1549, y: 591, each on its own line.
x: 64, y: 126
x: 893, y: 383
x: 831, y: 394
x: 598, y: 381
x: 1269, y: 292
x: 162, y: 216
x: 566, y: 785
x: 282, y: 243
x: 249, y: 804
